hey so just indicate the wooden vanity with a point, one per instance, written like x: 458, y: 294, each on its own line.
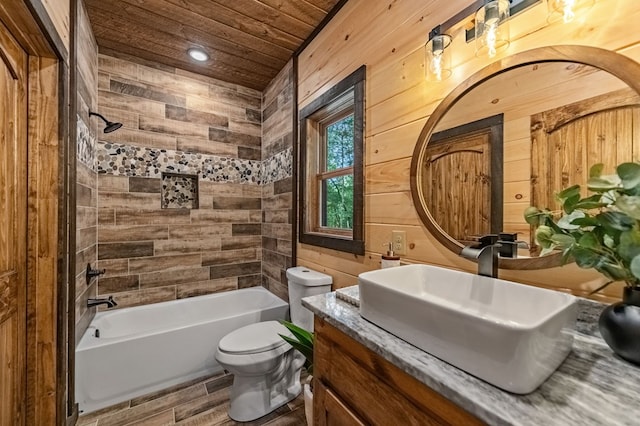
x: 355, y: 386
x: 364, y: 375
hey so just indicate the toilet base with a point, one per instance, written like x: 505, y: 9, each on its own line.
x: 254, y: 397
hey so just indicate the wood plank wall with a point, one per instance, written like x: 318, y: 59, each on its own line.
x: 277, y: 196
x: 389, y: 37
x: 152, y: 254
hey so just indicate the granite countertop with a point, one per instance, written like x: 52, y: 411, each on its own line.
x: 592, y: 386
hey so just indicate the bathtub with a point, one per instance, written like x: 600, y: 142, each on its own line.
x: 133, y: 351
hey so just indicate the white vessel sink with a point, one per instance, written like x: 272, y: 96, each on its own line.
x: 510, y: 335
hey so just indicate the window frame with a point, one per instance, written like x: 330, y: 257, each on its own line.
x: 335, y: 104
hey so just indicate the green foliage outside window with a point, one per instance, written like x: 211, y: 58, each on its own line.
x: 338, y: 191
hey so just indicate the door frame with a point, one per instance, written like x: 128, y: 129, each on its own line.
x: 47, y: 209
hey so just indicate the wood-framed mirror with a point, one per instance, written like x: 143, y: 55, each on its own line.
x: 561, y: 109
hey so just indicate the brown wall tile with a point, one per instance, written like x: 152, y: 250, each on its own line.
x: 249, y: 153
x: 193, y: 116
x: 219, y: 216
x: 86, y: 217
x: 246, y: 229
x: 110, y: 183
x: 128, y: 200
x: 152, y: 216
x: 86, y: 237
x: 117, y: 284
x: 106, y: 217
x: 234, y: 138
x: 133, y: 233
x: 84, y: 196
x: 234, y: 243
x: 235, y: 270
x: 141, y: 90
x: 250, y: 281
x: 283, y: 186
x: 150, y: 185
x: 114, y: 267
x: 206, y: 287
x: 164, y: 263
x: 125, y: 250
x: 177, y: 276
x: 198, y: 231
x: 180, y: 246
x: 229, y: 256
x: 237, y: 203
x: 128, y: 299
x: 276, y: 216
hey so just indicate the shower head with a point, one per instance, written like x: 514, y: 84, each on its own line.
x: 111, y: 126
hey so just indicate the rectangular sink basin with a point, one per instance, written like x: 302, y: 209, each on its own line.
x: 508, y: 334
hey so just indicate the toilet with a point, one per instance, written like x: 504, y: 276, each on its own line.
x: 266, y: 369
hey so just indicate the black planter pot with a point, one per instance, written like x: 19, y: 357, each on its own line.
x: 620, y: 325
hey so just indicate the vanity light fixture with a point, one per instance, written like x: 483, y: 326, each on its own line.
x: 437, y: 58
x: 198, y: 54
x: 492, y: 27
x: 567, y: 8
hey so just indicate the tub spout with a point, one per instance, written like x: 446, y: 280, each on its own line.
x: 95, y: 302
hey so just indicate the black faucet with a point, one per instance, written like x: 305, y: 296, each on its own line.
x: 95, y: 302
x: 486, y: 253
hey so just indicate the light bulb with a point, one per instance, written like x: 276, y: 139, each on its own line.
x: 567, y: 10
x: 198, y: 54
x: 438, y: 60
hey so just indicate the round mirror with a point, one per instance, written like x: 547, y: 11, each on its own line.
x: 517, y: 132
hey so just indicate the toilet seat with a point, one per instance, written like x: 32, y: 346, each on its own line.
x: 255, y: 348
x: 255, y: 338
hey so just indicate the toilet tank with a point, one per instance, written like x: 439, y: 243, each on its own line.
x: 304, y: 282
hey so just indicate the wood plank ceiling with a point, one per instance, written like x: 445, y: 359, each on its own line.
x: 248, y: 41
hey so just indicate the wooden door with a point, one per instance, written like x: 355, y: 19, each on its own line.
x: 13, y: 222
x: 567, y: 141
x: 463, y: 178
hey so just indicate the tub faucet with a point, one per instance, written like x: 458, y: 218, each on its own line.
x: 95, y: 302
x: 486, y: 253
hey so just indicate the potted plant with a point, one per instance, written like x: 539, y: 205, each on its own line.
x: 302, y: 341
x: 602, y: 231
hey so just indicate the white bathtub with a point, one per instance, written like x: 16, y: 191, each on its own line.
x: 148, y: 348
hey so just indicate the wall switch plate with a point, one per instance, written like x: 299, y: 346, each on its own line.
x: 399, y: 241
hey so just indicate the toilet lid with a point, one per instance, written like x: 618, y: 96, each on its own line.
x: 254, y: 338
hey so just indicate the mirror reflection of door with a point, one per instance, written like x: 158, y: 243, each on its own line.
x: 567, y: 141
x: 462, y: 182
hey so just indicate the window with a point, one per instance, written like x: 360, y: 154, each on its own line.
x: 331, y: 159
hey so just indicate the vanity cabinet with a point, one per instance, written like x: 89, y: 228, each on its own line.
x: 355, y: 386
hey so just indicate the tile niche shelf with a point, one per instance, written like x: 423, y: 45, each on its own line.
x: 179, y: 191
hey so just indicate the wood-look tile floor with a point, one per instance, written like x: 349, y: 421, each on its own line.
x: 202, y: 402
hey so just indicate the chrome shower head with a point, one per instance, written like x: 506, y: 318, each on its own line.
x: 111, y: 126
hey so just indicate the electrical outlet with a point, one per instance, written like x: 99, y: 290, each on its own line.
x: 399, y: 240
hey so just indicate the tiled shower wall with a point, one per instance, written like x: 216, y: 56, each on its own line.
x: 177, y: 122
x: 277, y: 191
x: 86, y: 176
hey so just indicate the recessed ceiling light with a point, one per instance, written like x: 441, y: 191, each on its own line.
x: 198, y: 54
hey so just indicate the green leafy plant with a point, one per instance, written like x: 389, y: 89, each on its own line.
x: 302, y: 341
x: 600, y: 231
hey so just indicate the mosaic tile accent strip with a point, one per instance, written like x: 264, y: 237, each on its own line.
x: 278, y: 167
x: 125, y: 160
x: 179, y: 191
x: 85, y: 145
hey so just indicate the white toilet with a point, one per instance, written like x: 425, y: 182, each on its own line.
x: 267, y: 369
